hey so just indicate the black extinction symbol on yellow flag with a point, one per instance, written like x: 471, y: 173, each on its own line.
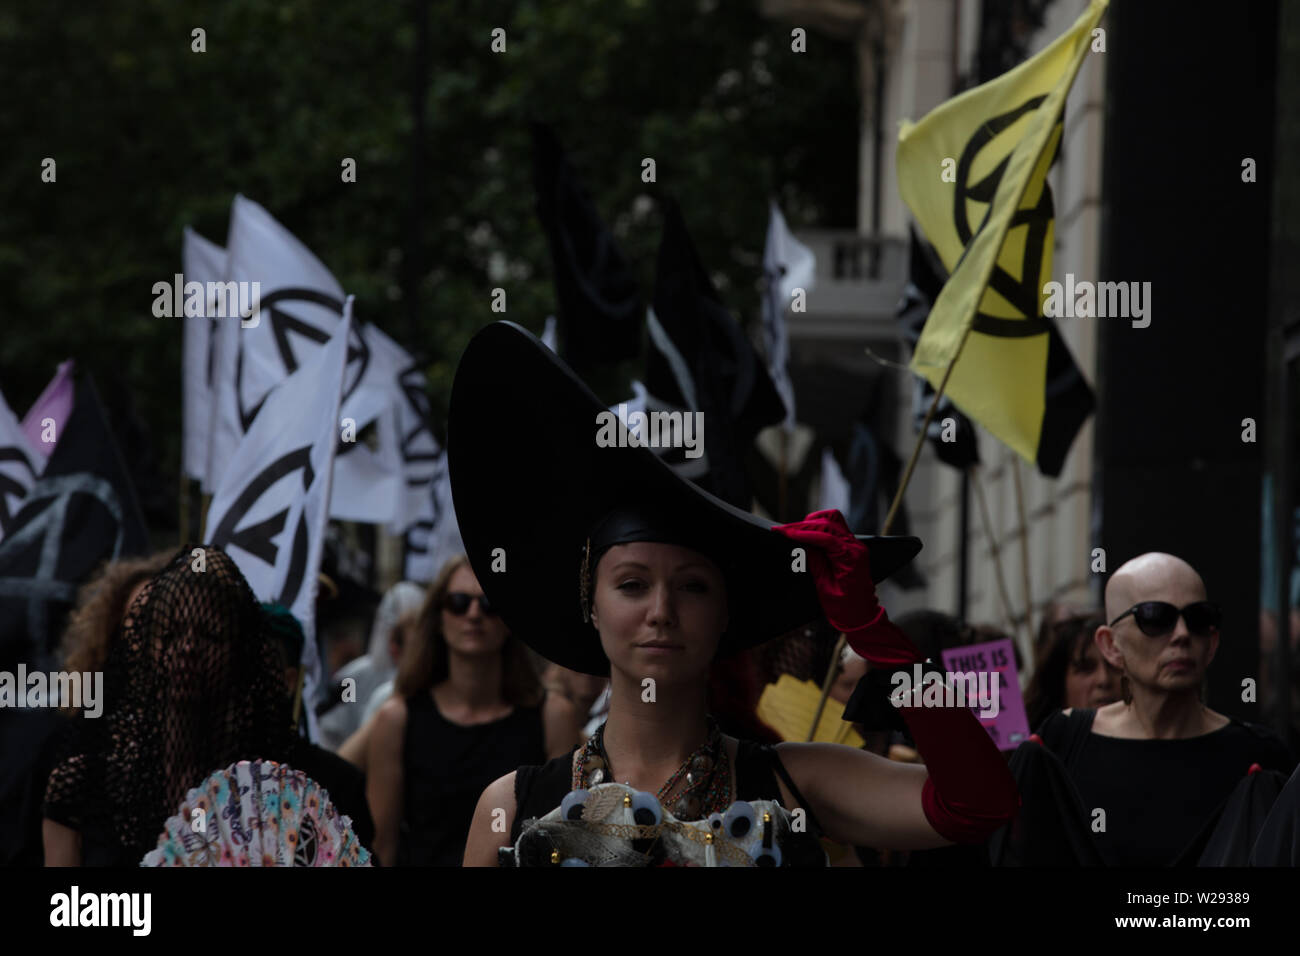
x: 1022, y: 293
x: 1068, y: 398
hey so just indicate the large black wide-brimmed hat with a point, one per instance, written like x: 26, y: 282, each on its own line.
x: 529, y: 482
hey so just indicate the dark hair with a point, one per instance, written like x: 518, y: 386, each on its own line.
x: 1067, y: 643
x: 424, y: 660
x: 96, y: 621
x: 931, y: 631
x: 934, y: 632
x: 733, y: 695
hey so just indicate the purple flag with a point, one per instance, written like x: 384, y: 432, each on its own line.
x: 55, y: 403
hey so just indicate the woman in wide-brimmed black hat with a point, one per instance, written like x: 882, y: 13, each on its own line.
x: 604, y: 560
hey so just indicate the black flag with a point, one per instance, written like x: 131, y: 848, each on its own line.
x: 873, y: 473
x: 951, y: 433
x: 701, y: 360
x: 81, y: 511
x: 600, y: 307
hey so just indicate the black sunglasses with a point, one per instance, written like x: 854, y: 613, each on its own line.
x: 458, y: 602
x: 1156, y: 618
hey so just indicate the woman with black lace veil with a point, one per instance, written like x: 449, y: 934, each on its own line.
x: 192, y: 685
x: 602, y: 559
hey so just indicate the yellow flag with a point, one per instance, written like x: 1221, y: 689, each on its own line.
x: 788, y: 707
x: 974, y: 174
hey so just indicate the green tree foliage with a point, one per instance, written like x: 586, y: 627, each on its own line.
x: 150, y: 136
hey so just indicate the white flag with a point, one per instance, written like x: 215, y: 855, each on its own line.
x: 202, y: 261
x: 270, y: 511
x: 417, y: 450
x: 368, y: 482
x: 627, y: 408
x: 835, y: 490
x: 20, y: 465
x: 300, y: 305
x: 787, y: 265
x: 432, y: 541
x: 549, y: 334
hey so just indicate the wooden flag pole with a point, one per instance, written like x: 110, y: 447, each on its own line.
x: 826, y: 687
x: 920, y: 439
x: 889, y: 518
x: 1024, y: 563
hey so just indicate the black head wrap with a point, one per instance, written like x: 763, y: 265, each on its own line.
x: 628, y: 524
x: 192, y: 684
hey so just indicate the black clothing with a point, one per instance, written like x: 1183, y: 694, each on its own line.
x: 29, y: 746
x: 1158, y: 795
x: 447, y: 766
x: 1237, y: 827
x: 193, y: 684
x: 345, y: 784
x: 1052, y: 828
x: 1278, y: 843
x: 539, y: 790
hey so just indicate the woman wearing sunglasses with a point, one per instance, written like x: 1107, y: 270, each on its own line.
x: 606, y: 561
x: 466, y: 707
x: 1159, y: 762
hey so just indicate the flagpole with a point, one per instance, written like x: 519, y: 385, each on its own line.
x: 1055, y: 101
x: 1024, y: 563
x: 889, y: 518
x: 920, y: 438
x: 826, y: 687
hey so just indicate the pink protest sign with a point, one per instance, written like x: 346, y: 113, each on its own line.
x: 1000, y: 710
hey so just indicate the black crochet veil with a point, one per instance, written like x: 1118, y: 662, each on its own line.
x: 193, y: 683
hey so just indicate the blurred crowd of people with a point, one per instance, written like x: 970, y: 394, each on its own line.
x: 444, y: 701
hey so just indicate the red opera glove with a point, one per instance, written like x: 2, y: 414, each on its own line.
x: 841, y: 570
x: 969, y: 792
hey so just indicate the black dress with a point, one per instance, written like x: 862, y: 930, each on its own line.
x: 540, y: 789
x: 1159, y: 797
x: 446, y: 769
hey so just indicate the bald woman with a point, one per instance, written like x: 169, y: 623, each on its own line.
x: 1158, y: 764
x: 1164, y: 657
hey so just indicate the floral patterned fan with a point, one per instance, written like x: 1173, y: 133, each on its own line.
x: 258, y: 813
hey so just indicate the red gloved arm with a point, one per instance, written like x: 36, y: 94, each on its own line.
x: 970, y: 792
